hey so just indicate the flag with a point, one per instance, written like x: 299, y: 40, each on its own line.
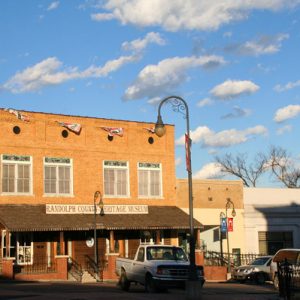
x: 19, y: 115
x: 230, y: 224
x: 223, y: 225
x: 150, y: 130
x: 75, y: 127
x: 187, y: 152
x: 113, y: 131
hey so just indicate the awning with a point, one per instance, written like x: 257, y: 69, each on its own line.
x: 21, y: 218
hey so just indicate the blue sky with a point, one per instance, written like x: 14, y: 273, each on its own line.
x: 236, y: 63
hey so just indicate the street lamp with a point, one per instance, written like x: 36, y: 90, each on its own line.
x: 229, y: 204
x: 179, y: 105
x: 97, y: 195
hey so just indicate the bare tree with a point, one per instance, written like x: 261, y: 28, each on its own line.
x: 283, y: 167
x: 237, y: 166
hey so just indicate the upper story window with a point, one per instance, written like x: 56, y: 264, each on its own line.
x: 16, y: 174
x: 150, y: 179
x: 116, y: 180
x: 58, y: 179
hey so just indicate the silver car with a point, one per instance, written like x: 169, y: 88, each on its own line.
x: 258, y: 270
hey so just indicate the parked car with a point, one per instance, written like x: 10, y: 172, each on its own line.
x: 291, y: 255
x: 258, y: 270
x: 157, y: 267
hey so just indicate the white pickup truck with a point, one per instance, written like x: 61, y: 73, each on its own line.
x: 157, y: 267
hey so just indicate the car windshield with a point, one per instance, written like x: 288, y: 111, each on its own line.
x: 259, y: 261
x: 166, y: 253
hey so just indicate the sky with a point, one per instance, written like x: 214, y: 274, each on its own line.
x: 235, y: 63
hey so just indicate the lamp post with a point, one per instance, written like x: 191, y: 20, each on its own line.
x: 229, y: 204
x: 180, y: 105
x: 97, y: 195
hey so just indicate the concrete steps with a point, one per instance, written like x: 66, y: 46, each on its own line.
x: 87, y: 277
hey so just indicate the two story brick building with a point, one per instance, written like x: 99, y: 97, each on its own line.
x: 56, y: 169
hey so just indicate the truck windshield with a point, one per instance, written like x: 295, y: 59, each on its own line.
x: 166, y: 253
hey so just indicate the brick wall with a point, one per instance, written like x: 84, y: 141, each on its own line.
x: 42, y: 136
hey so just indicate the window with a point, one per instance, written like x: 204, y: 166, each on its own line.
x: 16, y: 174
x: 271, y: 241
x: 140, y: 256
x: 58, y: 176
x: 20, y: 246
x: 8, y: 251
x: 149, y: 175
x: 24, y: 248
x: 116, y: 178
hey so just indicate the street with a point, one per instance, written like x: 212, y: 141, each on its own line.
x: 10, y: 290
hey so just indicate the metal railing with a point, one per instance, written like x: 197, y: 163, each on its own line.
x: 213, y: 258
x: 93, y: 269
x: 289, y: 279
x: 75, y: 269
x: 39, y: 265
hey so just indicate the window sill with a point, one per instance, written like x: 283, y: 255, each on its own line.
x: 16, y: 194
x: 59, y: 195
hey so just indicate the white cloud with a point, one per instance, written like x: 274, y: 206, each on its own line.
x: 53, y: 5
x: 164, y: 77
x: 237, y: 112
x: 102, y: 17
x: 284, y: 129
x: 261, y: 46
x: 288, y: 86
x: 211, y: 170
x: 234, y: 88
x: 48, y: 72
x: 178, y: 161
x: 287, y: 112
x: 185, y: 14
x: 205, y: 102
x: 225, y: 138
x: 140, y: 44
x: 227, y: 34
x: 154, y: 101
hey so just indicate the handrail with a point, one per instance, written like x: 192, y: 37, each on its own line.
x: 75, y: 269
x: 93, y: 269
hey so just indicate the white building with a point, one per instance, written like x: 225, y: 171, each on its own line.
x: 272, y: 219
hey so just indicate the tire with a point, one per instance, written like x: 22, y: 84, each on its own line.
x: 260, y: 278
x: 124, y: 283
x: 150, y: 286
x: 276, y: 282
x: 242, y: 280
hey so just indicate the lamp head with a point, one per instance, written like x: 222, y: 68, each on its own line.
x: 233, y: 213
x: 101, y: 206
x: 160, y: 128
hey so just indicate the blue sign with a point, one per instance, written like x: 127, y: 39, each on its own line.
x: 223, y: 225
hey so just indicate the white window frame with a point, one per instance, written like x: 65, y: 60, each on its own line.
x: 16, y: 160
x: 146, y: 166
x: 116, y: 165
x: 4, y: 251
x: 57, y: 162
x: 24, y: 250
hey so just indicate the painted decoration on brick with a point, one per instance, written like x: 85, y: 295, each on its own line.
x: 150, y: 130
x: 20, y: 116
x: 112, y: 131
x: 75, y: 127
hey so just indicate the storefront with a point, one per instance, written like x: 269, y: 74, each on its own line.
x: 34, y: 236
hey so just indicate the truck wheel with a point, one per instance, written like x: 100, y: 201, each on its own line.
x: 124, y: 283
x: 150, y: 286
